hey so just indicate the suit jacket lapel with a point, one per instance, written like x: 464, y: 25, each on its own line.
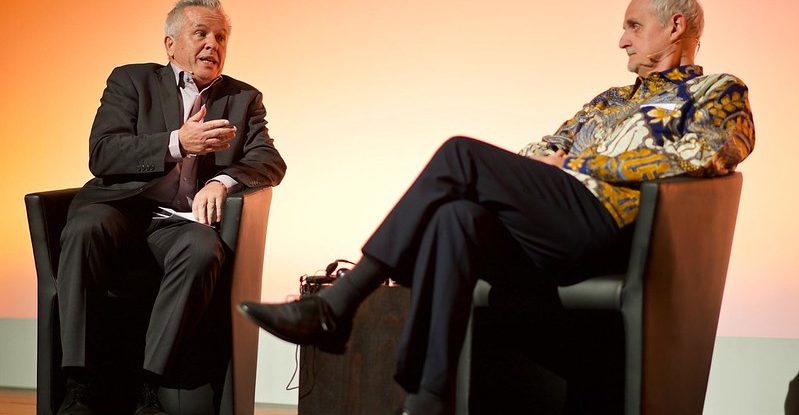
x: 170, y: 102
x: 216, y: 105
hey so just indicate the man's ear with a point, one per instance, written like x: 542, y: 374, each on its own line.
x: 169, y: 46
x: 678, y: 25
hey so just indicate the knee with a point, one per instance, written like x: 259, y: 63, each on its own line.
x: 459, y: 212
x: 92, y: 222
x: 200, y: 249
x: 457, y: 144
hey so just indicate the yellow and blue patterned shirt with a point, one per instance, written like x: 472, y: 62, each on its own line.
x: 670, y: 123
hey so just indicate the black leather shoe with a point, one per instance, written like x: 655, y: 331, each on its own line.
x: 308, y: 321
x: 148, y: 402
x: 76, y: 400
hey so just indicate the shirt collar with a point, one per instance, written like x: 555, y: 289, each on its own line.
x: 657, y: 81
x: 184, y: 77
x: 675, y: 75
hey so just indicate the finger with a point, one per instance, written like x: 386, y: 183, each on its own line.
x: 198, y: 116
x: 213, y: 211
x: 219, y: 203
x: 216, y: 139
x: 560, y: 153
x: 219, y: 124
x: 195, y: 209
x: 202, y: 215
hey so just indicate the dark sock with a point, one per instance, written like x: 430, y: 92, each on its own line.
x: 152, y: 380
x: 425, y: 403
x: 347, y: 293
x: 76, y: 374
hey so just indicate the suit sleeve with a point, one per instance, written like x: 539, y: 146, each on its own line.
x: 259, y: 164
x: 115, y: 146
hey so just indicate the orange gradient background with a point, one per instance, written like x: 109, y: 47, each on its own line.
x: 359, y: 93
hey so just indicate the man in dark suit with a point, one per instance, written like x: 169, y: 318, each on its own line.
x: 555, y: 213
x: 180, y: 136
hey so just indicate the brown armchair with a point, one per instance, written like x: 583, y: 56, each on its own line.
x: 668, y: 300
x: 230, y: 390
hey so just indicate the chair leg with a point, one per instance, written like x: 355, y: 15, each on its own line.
x: 633, y: 361
x: 464, y: 371
x: 464, y: 380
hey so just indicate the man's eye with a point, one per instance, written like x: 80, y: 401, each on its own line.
x: 199, y: 33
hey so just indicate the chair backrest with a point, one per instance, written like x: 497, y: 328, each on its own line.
x: 683, y: 283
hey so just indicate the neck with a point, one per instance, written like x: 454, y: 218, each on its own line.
x: 675, y: 55
x: 199, y: 82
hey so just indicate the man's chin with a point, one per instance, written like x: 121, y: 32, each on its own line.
x: 640, y: 69
x: 205, y: 77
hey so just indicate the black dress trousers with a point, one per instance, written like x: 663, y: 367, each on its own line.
x: 102, y: 239
x: 478, y: 211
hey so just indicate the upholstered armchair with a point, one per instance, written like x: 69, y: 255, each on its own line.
x: 227, y: 387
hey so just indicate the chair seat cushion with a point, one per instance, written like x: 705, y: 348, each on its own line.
x: 598, y: 293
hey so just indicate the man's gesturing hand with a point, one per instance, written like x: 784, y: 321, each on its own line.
x: 198, y: 137
x: 208, y: 202
x: 557, y: 159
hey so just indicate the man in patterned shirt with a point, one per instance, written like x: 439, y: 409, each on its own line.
x: 558, y: 211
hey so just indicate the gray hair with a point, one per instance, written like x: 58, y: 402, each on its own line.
x: 691, y: 9
x: 174, y: 19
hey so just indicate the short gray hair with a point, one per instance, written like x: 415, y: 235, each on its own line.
x: 174, y: 19
x: 691, y: 9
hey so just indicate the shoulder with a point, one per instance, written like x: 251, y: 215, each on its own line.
x: 138, y: 74
x: 234, y: 86
x: 239, y: 92
x: 613, y: 94
x: 138, y: 69
x: 717, y: 82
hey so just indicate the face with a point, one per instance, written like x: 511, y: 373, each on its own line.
x: 649, y: 44
x: 200, y: 44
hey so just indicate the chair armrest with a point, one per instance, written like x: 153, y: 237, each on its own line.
x: 47, y: 214
x: 243, y: 230
x: 481, y: 294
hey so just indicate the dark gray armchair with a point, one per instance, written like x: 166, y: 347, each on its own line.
x: 228, y: 389
x: 669, y: 299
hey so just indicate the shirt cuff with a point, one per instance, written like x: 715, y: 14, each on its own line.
x: 230, y: 183
x: 174, y: 147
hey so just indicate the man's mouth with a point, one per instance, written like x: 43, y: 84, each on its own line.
x: 208, y: 59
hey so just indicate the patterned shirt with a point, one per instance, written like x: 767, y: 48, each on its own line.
x: 676, y: 122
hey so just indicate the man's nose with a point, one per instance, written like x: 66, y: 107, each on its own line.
x: 624, y: 43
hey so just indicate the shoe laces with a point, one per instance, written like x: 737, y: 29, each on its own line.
x: 78, y: 392
x: 149, y: 397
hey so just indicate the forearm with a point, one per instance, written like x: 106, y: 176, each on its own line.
x: 630, y: 166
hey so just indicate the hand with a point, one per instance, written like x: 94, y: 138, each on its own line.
x: 208, y: 202
x: 198, y: 137
x: 557, y: 159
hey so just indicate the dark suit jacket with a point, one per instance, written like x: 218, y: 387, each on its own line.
x: 140, y: 107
